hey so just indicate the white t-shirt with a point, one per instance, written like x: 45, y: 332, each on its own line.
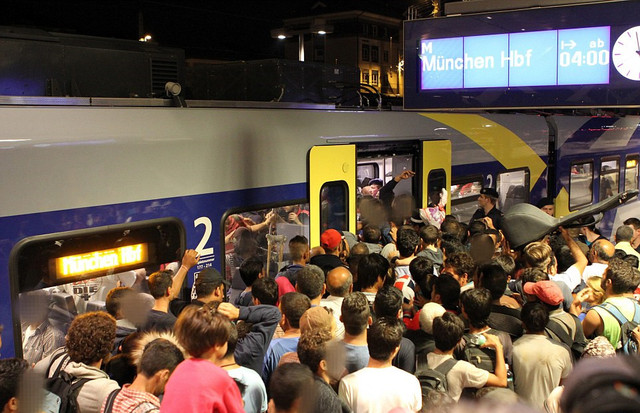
x: 594, y: 270
x: 378, y: 390
x: 539, y: 364
x: 462, y: 375
x: 571, y: 277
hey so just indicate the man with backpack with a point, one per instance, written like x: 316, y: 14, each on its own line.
x: 619, y: 311
x: 444, y: 373
x: 79, y: 383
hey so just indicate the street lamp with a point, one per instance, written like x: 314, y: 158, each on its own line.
x: 317, y: 28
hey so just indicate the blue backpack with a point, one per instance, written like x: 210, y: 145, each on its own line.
x: 627, y: 343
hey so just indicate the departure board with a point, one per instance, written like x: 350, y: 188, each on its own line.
x: 582, y: 55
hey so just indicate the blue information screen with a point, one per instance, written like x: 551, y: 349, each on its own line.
x: 540, y: 58
x: 583, y: 55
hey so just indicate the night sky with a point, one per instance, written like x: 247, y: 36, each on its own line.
x: 214, y: 29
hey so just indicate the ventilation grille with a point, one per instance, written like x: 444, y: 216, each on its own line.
x: 162, y: 71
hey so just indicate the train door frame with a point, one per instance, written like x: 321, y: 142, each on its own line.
x: 427, y: 156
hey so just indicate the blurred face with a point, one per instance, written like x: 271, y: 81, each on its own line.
x: 549, y: 209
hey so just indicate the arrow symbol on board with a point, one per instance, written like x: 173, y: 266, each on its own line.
x: 571, y: 44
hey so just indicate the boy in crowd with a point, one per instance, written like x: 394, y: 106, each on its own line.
x: 447, y: 332
x: 198, y: 384
x: 250, y: 270
x: 380, y: 387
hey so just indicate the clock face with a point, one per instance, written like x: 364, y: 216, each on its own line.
x: 626, y: 54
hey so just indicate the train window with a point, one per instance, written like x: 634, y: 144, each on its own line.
x: 58, y: 276
x: 631, y: 172
x: 436, y: 181
x: 609, y: 177
x: 513, y: 188
x: 464, y: 194
x: 365, y: 172
x: 580, y: 184
x: 253, y: 233
x: 334, y: 198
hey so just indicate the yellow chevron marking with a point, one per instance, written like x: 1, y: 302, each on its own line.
x: 504, y: 145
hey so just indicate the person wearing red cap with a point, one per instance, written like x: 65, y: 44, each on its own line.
x: 563, y: 327
x: 331, y: 242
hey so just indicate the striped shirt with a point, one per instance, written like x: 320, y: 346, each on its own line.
x: 133, y: 401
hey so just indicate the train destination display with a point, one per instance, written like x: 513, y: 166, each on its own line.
x: 542, y: 58
x: 572, y: 56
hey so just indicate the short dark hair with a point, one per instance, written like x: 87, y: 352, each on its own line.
x: 288, y: 383
x: 534, y: 316
x: 199, y: 329
x: 298, y: 245
x: 310, y: 280
x: 114, y: 299
x: 453, y: 228
x: 421, y: 270
x: 312, y: 348
x: 634, y: 222
x: 450, y: 244
x: 533, y: 275
x: 462, y: 262
x: 160, y: 354
x: 159, y: 281
x: 448, y: 329
x: 564, y: 258
x: 370, y: 268
x: 624, y: 278
x: 449, y: 290
x: 407, y: 241
x: 384, y: 335
x: 477, y: 305
x: 494, y: 278
x: 355, y: 313
x: 90, y: 337
x: 293, y: 306
x: 507, y: 263
x: 265, y: 290
x: 371, y: 234
x: 11, y: 371
x: 388, y: 302
x: 250, y: 269
x: 477, y: 226
x: 232, y: 341
x: 429, y: 234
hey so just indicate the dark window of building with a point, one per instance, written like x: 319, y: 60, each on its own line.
x: 365, y: 52
x: 375, y: 54
x: 374, y: 30
x: 385, y: 56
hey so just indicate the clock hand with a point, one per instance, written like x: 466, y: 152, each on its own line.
x: 638, y: 43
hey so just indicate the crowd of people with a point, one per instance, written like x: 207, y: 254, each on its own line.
x: 409, y: 315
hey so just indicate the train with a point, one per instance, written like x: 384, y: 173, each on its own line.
x: 97, y: 189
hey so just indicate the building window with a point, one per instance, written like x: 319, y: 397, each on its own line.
x: 374, y: 77
x: 365, y: 77
x: 365, y: 28
x: 365, y: 52
x: 374, y: 30
x: 385, y: 56
x: 374, y: 54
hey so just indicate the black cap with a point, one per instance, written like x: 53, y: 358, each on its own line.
x: 544, y: 202
x: 211, y: 275
x: 490, y: 192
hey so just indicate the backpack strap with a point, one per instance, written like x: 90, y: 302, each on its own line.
x: 617, y: 314
x: 557, y: 329
x: 108, y: 407
x: 446, y: 366
x: 65, y: 357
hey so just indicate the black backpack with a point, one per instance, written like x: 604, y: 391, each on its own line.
x: 436, y: 378
x: 66, y: 387
x: 576, y: 347
x: 482, y: 357
x: 627, y: 344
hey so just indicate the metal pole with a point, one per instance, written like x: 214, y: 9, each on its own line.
x: 301, y: 47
